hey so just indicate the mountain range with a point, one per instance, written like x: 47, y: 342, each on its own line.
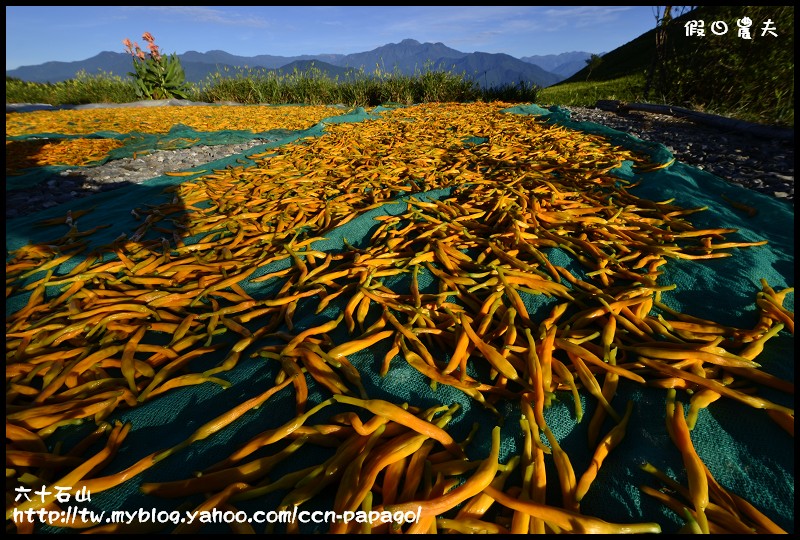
x: 565, y: 64
x: 407, y: 57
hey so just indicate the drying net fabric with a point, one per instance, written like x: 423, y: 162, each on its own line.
x: 378, y: 193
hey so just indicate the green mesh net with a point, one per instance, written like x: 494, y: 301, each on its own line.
x: 746, y: 452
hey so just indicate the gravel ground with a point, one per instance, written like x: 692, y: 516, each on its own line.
x: 765, y: 165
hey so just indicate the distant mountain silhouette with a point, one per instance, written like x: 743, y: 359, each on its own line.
x: 564, y: 64
x: 493, y: 70
x: 407, y: 57
x: 119, y: 64
x: 324, y: 68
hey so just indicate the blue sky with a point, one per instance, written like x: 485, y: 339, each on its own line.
x: 38, y: 34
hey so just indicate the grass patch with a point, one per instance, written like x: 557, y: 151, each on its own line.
x: 84, y: 88
x: 260, y: 86
x: 586, y: 94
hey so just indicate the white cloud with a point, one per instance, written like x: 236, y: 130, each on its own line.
x: 584, y: 16
x: 213, y: 16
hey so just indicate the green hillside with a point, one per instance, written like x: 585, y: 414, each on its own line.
x: 751, y: 79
